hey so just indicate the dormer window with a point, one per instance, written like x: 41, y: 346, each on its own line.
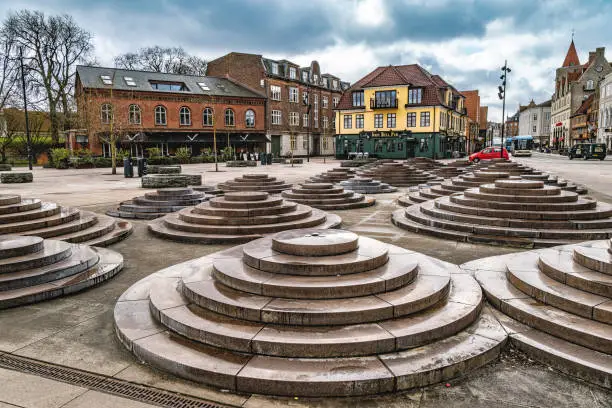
x: 305, y: 76
x: 168, y: 86
x: 415, y: 95
x: 292, y: 73
x: 274, y: 68
x: 358, y: 99
x: 315, y: 78
x: 335, y: 83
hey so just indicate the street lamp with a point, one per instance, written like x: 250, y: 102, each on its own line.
x: 25, y: 110
x: 502, y: 95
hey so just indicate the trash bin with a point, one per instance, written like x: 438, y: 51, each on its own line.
x: 142, y: 167
x: 262, y: 156
x: 269, y: 158
x: 128, y: 169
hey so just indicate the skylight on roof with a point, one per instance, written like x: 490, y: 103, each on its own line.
x: 106, y: 79
x: 129, y: 81
x: 203, y: 86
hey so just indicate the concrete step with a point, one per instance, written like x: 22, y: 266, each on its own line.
x: 84, y: 221
x: 108, y: 265
x: 597, y: 259
x: 11, y: 206
x: 66, y: 215
x: 8, y: 199
x: 16, y: 245
x: 206, y: 222
x: 121, y: 231
x: 40, y: 210
x: 52, y: 252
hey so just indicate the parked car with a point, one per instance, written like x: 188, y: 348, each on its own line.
x: 588, y: 151
x: 488, y: 154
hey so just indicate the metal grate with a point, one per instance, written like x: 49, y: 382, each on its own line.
x: 102, y: 383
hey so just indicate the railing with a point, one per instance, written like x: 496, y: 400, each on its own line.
x: 383, y: 104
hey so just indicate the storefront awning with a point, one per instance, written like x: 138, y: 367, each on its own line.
x: 197, y: 138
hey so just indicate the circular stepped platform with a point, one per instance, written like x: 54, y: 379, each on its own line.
x: 159, y: 203
x: 515, y: 212
x: 255, y: 182
x: 556, y: 304
x: 365, y: 185
x: 210, y: 190
x: 239, y: 217
x: 33, y: 269
x: 334, y: 175
x: 33, y: 217
x: 399, y: 175
x: 325, y: 196
x: 310, y: 313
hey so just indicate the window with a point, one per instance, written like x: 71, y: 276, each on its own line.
x: 386, y: 99
x: 325, y: 143
x: 106, y: 113
x: 292, y: 73
x: 304, y: 142
x: 335, y: 101
x: 305, y: 97
x: 305, y: 76
x: 294, y: 119
x: 185, y: 116
x: 275, y: 92
x: 315, y: 78
x: 203, y: 86
x: 534, y: 128
x: 324, y: 102
x: 160, y: 115
x: 134, y: 115
x: 276, y: 117
x: 358, y: 99
x: 589, y: 84
x: 249, y: 118
x: 535, y: 116
x: 229, y: 118
x: 168, y: 86
x: 129, y: 81
x: 305, y: 120
x: 335, y: 83
x: 425, y: 119
x: 274, y: 68
x: 348, y: 121
x: 442, y: 119
x: 415, y: 95
x: 378, y: 120
x: 325, y: 122
x: 106, y: 80
x: 207, y: 117
x: 359, y: 121
x: 391, y: 120
x: 411, y: 119
x: 293, y: 139
x: 293, y: 95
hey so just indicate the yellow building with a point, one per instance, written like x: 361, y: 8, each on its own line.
x: 400, y: 112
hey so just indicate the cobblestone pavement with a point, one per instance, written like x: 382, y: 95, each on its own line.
x: 77, y: 331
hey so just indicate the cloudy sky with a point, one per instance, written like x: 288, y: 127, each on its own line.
x: 465, y: 41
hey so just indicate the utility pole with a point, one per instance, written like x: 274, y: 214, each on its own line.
x: 25, y: 110
x: 502, y: 95
x: 214, y: 119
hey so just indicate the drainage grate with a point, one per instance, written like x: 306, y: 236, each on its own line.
x: 102, y: 383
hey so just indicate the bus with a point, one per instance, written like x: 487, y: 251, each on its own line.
x: 520, y: 145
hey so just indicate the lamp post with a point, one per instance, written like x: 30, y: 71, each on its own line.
x: 25, y: 110
x: 502, y: 95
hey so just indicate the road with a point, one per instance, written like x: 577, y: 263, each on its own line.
x: 595, y: 174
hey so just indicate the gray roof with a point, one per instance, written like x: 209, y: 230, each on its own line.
x: 91, y: 78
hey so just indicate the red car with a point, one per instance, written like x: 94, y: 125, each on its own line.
x: 488, y: 154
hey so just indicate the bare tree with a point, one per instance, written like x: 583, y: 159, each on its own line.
x: 173, y: 60
x: 52, y: 46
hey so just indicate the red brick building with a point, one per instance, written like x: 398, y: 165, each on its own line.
x: 149, y: 109
x: 472, y: 105
x: 512, y: 125
x: 300, y: 100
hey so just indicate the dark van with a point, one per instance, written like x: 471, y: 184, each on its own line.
x: 588, y: 151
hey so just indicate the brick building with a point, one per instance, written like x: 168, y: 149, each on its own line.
x: 300, y: 100
x: 483, y: 123
x: 149, y: 109
x: 512, y: 125
x: 473, y: 109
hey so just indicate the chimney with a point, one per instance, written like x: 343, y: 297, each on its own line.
x: 592, y: 56
x: 600, y: 51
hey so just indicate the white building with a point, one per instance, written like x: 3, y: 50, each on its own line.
x: 534, y: 120
x: 604, y: 131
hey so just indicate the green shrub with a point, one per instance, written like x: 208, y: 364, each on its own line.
x: 59, y: 157
x: 154, y: 152
x: 183, y: 155
x: 102, y: 162
x: 196, y: 160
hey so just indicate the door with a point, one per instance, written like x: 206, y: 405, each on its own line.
x: 316, y: 145
x: 276, y: 145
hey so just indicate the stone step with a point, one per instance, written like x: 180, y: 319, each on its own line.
x: 12, y: 207
x: 580, y: 204
x: 525, y: 275
x: 306, y: 194
x: 238, y: 372
x: 84, y: 221
x: 8, y: 199
x: 597, y: 259
x: 222, y: 202
x: 282, y: 208
x: 145, y: 202
x: 350, y: 197
x: 41, y: 210
x: 16, y: 245
x: 66, y: 215
x: 81, y: 259
x: 161, y: 227
x: 209, y: 223
x: 121, y: 231
x: 109, y: 264
x: 564, y: 197
x: 549, y: 319
x: 397, y: 272
x: 445, y: 319
x: 567, y: 357
x: 103, y: 225
x: 52, y: 252
x: 362, y: 202
x: 559, y: 264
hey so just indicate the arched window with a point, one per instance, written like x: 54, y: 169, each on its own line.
x: 185, y: 116
x: 134, y: 115
x: 106, y: 113
x: 207, y: 117
x: 249, y: 118
x: 229, y: 117
x: 160, y: 115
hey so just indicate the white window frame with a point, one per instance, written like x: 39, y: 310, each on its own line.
x: 294, y: 94
x: 274, y: 68
x: 294, y: 119
x: 324, y: 102
x: 249, y: 118
x: 305, y: 120
x: 325, y: 122
x: 184, y: 113
x: 335, y: 101
x: 275, y: 92
x: 161, y: 115
x: 277, y: 117
x: 106, y: 113
x: 208, y: 112
x: 292, y: 73
x: 134, y: 112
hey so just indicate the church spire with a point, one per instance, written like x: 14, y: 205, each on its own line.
x: 571, y: 59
